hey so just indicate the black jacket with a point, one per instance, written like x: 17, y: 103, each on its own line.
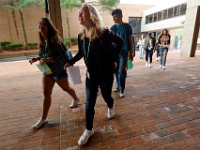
x: 99, y: 54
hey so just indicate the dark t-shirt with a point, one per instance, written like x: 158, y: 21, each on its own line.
x: 59, y: 56
x: 124, y: 31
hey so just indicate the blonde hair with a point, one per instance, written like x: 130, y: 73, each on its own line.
x: 96, y: 28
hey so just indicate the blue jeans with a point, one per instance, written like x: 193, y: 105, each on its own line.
x: 121, y: 73
x: 91, y: 96
x: 163, y: 55
x: 142, y: 52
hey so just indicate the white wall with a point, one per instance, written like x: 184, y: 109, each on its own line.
x: 164, y: 5
x: 176, y: 22
x: 172, y: 23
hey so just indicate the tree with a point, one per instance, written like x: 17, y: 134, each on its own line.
x: 108, y: 4
x: 69, y: 5
x: 19, y: 5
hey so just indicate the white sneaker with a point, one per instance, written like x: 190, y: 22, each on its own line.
x: 39, y: 124
x: 160, y: 66
x: 74, y: 103
x: 121, y: 95
x: 85, y: 136
x: 149, y: 65
x: 146, y: 64
x: 158, y: 58
x: 111, y: 113
x: 116, y: 90
x: 163, y: 67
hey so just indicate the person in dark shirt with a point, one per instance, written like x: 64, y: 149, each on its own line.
x: 149, y: 50
x: 54, y: 56
x: 100, y: 56
x: 127, y: 52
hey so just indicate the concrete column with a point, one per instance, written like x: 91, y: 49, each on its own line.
x: 55, y: 15
x: 191, y: 28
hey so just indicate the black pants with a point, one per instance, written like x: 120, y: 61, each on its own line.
x: 149, y: 53
x: 91, y: 96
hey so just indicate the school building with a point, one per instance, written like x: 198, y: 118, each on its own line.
x: 180, y: 17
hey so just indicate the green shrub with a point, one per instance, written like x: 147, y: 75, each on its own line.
x: 4, y: 43
x: 14, y: 45
x: 74, y: 41
x: 66, y: 42
x: 32, y: 45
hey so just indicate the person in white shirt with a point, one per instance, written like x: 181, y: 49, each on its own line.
x: 142, y: 43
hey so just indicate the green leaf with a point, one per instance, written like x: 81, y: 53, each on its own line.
x: 70, y: 4
x: 26, y: 3
x: 108, y: 4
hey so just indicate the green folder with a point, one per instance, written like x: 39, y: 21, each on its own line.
x: 129, y: 64
x: 165, y: 46
x: 44, y: 68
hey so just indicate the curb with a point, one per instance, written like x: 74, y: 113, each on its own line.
x: 10, y: 55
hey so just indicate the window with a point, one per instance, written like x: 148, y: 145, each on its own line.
x: 164, y: 14
x: 167, y: 13
x: 135, y: 23
x: 155, y: 17
x: 183, y: 9
x: 151, y: 18
x: 146, y: 19
x: 170, y: 12
x: 177, y: 10
x: 159, y: 16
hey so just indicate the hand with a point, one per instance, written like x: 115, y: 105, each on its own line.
x: 43, y: 60
x: 66, y: 65
x: 31, y: 61
x: 130, y: 57
x: 115, y: 65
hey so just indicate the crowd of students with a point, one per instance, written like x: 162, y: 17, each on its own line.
x: 105, y: 53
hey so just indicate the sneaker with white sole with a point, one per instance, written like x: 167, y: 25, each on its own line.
x: 146, y: 64
x: 39, y: 124
x: 158, y: 58
x: 74, y: 103
x: 149, y: 65
x: 85, y: 136
x: 116, y: 90
x: 111, y: 113
x: 163, y: 67
x: 121, y: 95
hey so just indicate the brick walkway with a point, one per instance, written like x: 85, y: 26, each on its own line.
x: 161, y: 110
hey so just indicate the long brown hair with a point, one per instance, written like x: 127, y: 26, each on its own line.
x: 167, y: 32
x: 53, y: 36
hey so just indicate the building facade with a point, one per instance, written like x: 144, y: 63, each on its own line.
x: 181, y: 18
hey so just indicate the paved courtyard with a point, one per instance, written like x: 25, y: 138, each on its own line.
x: 161, y: 110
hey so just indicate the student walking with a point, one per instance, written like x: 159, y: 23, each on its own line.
x: 142, y: 44
x: 164, y: 42
x: 54, y: 56
x: 95, y: 45
x: 127, y: 52
x: 149, y: 50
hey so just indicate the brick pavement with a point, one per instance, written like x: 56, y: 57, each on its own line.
x: 161, y: 110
